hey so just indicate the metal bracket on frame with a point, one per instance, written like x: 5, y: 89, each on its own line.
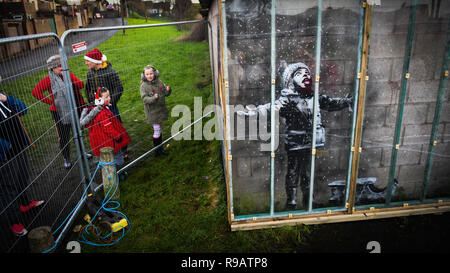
x: 359, y: 76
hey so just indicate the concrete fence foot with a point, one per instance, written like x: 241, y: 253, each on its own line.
x: 40, y: 239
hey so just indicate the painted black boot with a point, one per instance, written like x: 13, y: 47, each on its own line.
x: 161, y: 149
x: 291, y: 198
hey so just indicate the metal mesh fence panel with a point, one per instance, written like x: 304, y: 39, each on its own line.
x: 126, y: 52
x: 51, y: 159
x: 39, y: 159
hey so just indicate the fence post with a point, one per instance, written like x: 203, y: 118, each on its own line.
x: 109, y: 172
x: 225, y: 106
x: 315, y: 105
x: 76, y: 130
x: 356, y: 145
x: 40, y: 239
x: 401, y: 100
x: 355, y: 100
x: 437, y: 116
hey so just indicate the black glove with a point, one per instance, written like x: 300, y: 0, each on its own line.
x: 349, y: 100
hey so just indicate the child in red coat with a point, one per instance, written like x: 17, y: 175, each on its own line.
x: 105, y: 130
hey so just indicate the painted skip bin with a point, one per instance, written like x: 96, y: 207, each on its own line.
x: 339, y: 110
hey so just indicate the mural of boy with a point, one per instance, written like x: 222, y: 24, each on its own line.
x: 295, y: 105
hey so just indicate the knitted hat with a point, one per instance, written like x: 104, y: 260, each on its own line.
x: 289, y: 72
x: 54, y: 61
x: 94, y: 56
x: 98, y: 100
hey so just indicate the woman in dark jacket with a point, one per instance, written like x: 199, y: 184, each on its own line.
x: 14, y: 170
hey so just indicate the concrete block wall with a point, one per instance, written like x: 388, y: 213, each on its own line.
x: 249, y: 83
x: 385, y: 74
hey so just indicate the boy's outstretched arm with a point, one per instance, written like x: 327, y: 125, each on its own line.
x: 334, y: 104
x: 251, y: 110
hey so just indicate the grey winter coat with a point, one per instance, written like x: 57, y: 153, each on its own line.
x: 58, y: 90
x: 155, y: 108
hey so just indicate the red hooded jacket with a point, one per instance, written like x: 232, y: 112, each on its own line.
x: 105, y: 130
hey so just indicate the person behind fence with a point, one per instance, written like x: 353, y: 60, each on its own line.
x: 102, y: 74
x: 295, y: 104
x: 153, y: 93
x: 14, y: 168
x: 57, y: 101
x: 105, y: 129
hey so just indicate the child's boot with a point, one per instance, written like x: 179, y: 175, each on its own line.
x: 160, y: 151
